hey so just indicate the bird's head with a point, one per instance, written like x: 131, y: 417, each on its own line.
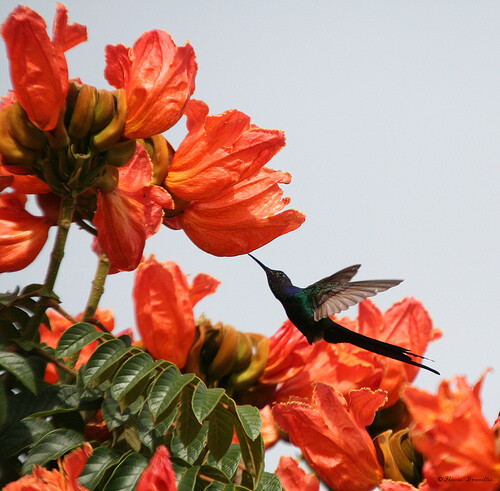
x: 278, y: 281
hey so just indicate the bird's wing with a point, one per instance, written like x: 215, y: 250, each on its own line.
x: 329, y: 298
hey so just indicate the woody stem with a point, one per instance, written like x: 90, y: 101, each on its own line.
x: 97, y: 287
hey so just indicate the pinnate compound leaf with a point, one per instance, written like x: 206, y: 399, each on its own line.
x: 97, y: 467
x: 20, y: 368
x: 131, y: 373
x: 75, y: 338
x: 205, y: 400
x: 103, y: 358
x: 50, y: 447
x: 127, y: 473
x: 166, y: 389
x: 22, y: 434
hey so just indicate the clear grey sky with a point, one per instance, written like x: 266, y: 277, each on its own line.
x: 391, y: 111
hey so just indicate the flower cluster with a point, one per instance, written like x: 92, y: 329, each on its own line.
x: 178, y: 407
x: 104, y: 149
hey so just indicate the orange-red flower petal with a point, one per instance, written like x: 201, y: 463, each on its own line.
x: 23, y: 184
x: 242, y: 218
x: 164, y: 312
x: 22, y: 235
x: 218, y: 152
x: 120, y: 228
x: 294, y: 478
x: 159, y: 475
x: 450, y: 430
x: 331, y: 435
x: 158, y: 78
x: 407, y: 323
x: 38, y: 66
x: 63, y: 479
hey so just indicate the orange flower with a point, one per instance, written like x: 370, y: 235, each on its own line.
x: 295, y: 365
x: 158, y: 78
x: 293, y: 478
x: 330, y: 431
x: 407, y: 324
x: 38, y: 66
x: 159, y: 475
x: 64, y: 479
x: 218, y: 152
x: 58, y: 325
x: 22, y: 235
x: 450, y: 430
x: 131, y: 213
x: 226, y: 201
x: 388, y: 485
x: 242, y: 218
x: 164, y: 304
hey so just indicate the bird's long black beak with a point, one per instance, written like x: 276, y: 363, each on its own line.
x: 263, y: 266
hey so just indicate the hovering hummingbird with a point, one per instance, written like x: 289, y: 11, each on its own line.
x: 309, y: 309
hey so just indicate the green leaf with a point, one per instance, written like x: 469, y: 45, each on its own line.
x: 39, y: 290
x: 20, y: 368
x: 166, y: 389
x: 50, y: 447
x: 20, y: 435
x: 103, y: 358
x: 191, y: 452
x: 112, y: 413
x: 188, y: 479
x: 221, y: 432
x: 50, y: 399
x: 214, y: 473
x: 252, y: 452
x: 205, y: 400
x: 230, y: 462
x: 9, y: 297
x: 127, y: 474
x: 131, y: 373
x: 269, y: 482
x: 97, y: 467
x: 151, y: 434
x: 188, y: 425
x: 75, y: 338
x: 250, y: 419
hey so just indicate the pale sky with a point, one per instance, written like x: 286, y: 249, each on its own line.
x: 391, y: 111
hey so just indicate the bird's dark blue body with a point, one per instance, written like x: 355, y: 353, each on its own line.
x: 309, y: 309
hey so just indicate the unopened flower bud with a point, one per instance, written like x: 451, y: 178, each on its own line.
x: 401, y: 461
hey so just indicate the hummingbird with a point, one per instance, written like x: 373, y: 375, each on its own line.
x: 309, y: 309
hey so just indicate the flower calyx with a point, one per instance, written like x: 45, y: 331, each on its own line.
x: 400, y: 459
x: 83, y: 148
x: 225, y: 357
